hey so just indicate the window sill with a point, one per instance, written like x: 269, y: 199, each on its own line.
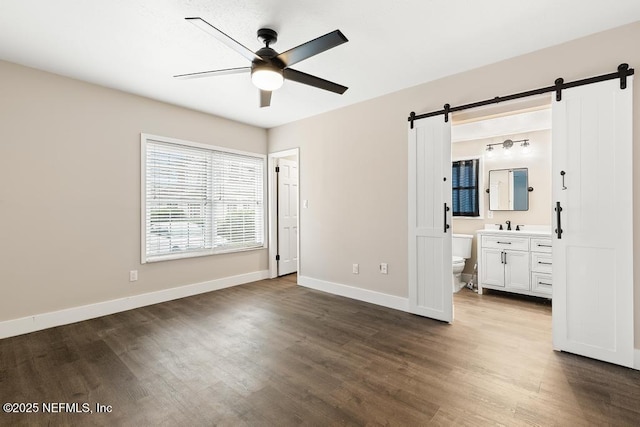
x: 186, y: 255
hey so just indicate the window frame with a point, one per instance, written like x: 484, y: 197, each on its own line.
x: 145, y: 258
x: 481, y: 192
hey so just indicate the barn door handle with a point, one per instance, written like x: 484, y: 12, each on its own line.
x: 446, y: 209
x: 558, y: 230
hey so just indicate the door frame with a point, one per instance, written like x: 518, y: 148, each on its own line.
x: 273, y: 207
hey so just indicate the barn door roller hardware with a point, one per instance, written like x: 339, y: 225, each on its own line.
x: 559, y: 85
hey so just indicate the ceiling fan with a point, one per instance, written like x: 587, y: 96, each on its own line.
x: 269, y: 68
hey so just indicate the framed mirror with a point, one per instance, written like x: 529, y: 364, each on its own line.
x: 509, y: 189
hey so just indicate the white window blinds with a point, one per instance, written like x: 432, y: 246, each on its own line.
x: 200, y: 200
x: 237, y: 201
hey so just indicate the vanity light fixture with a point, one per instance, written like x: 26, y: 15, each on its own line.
x: 489, y: 150
x: 507, y: 144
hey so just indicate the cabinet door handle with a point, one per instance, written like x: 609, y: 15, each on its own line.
x: 504, y: 243
x: 505, y: 258
x: 545, y: 246
x: 446, y: 209
x: 542, y: 283
x: 545, y: 263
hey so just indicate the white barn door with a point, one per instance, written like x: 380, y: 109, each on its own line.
x: 430, y: 275
x: 593, y: 218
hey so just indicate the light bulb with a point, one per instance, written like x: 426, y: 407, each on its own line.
x: 489, y: 151
x: 266, y: 78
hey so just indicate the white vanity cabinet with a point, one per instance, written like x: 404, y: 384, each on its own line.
x: 541, y: 259
x: 514, y: 261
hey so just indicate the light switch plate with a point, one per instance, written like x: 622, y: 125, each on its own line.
x: 384, y: 268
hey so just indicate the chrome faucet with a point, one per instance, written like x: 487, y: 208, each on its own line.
x: 508, y: 224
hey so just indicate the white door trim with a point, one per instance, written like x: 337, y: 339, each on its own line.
x: 273, y: 200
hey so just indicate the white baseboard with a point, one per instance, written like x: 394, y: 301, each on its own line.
x: 373, y: 297
x: 24, y: 325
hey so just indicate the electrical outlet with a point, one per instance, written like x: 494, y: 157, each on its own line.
x: 384, y: 268
x: 133, y: 275
x: 356, y: 269
x: 490, y: 214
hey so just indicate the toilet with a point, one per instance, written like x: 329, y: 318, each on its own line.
x: 461, y: 251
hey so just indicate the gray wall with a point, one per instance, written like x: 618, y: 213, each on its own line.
x: 70, y: 192
x: 353, y: 166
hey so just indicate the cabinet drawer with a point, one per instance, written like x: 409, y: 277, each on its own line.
x: 512, y: 243
x: 541, y: 245
x: 541, y: 262
x: 541, y: 283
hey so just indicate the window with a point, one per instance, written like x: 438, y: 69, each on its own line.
x: 199, y: 200
x: 464, y: 188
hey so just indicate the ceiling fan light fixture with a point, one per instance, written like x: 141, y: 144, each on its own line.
x: 267, y: 78
x: 268, y: 66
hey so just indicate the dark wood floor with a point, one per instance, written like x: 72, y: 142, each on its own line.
x: 273, y: 353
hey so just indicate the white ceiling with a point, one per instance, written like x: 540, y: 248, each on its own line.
x: 138, y: 45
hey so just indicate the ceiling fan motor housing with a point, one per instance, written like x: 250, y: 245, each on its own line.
x: 268, y: 55
x: 267, y: 72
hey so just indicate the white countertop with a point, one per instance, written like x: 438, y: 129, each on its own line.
x: 542, y: 232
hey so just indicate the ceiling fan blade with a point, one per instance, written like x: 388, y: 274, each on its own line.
x: 265, y: 98
x: 213, y: 73
x: 233, y: 44
x: 313, y: 47
x: 308, y: 79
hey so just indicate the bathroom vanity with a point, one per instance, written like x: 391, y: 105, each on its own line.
x: 515, y: 261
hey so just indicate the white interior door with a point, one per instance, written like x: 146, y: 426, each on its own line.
x: 287, y: 216
x: 593, y: 255
x: 430, y: 270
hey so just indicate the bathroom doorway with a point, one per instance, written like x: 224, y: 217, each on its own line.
x: 591, y: 177
x: 499, y: 140
x: 591, y: 172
